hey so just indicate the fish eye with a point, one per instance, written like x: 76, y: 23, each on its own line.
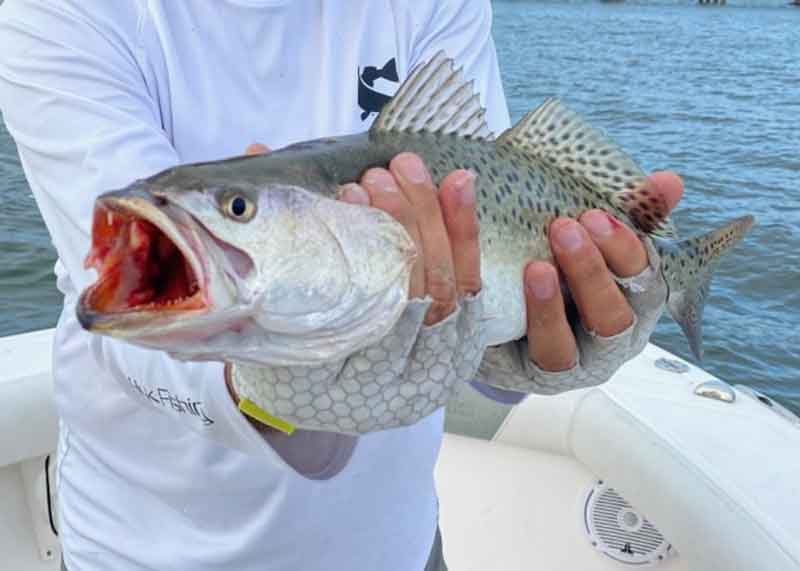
x: 238, y: 207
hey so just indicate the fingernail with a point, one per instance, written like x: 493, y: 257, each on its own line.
x: 465, y: 188
x: 597, y: 223
x: 380, y: 180
x: 567, y: 235
x: 411, y: 168
x: 542, y: 286
x: 354, y: 194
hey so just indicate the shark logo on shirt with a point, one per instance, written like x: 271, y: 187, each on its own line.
x: 369, y: 99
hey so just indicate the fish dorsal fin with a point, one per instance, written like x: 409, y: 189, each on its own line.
x: 435, y: 99
x: 558, y: 135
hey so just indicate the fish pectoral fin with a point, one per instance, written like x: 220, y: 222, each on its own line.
x: 437, y: 99
x: 559, y: 136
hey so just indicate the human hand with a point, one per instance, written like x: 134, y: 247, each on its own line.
x: 590, y: 252
x: 616, y: 286
x: 443, y: 225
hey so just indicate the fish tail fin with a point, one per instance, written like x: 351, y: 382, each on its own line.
x: 688, y: 266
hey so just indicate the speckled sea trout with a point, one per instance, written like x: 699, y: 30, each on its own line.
x: 253, y: 259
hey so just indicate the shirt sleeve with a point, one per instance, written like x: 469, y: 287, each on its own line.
x: 77, y: 97
x: 463, y: 29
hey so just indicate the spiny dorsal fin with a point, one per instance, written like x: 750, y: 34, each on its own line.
x: 555, y: 133
x: 435, y: 99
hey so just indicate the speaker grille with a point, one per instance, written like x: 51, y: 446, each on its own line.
x: 618, y: 530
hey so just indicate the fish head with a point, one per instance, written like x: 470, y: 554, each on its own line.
x: 269, y: 274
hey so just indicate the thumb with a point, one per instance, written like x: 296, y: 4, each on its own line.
x: 668, y: 185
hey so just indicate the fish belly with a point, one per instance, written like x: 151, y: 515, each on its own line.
x: 503, y: 302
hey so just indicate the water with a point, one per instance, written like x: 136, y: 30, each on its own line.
x: 709, y: 92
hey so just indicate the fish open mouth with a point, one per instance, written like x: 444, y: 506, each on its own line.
x: 147, y: 262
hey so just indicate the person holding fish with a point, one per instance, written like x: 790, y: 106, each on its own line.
x: 254, y: 374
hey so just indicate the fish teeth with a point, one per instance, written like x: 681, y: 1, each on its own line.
x: 135, y: 236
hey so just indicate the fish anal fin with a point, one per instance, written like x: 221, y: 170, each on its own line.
x: 436, y: 99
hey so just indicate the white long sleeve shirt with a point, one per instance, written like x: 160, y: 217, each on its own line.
x: 157, y: 468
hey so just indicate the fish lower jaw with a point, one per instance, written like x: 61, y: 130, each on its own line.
x: 140, y: 322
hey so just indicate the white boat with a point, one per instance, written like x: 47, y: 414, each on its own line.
x: 662, y: 466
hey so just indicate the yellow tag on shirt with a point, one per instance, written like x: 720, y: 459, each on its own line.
x: 255, y: 412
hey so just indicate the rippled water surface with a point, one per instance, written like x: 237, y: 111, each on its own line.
x: 711, y: 92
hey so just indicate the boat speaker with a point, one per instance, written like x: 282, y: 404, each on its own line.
x: 620, y: 531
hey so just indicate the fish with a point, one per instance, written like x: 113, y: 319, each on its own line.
x: 254, y: 260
